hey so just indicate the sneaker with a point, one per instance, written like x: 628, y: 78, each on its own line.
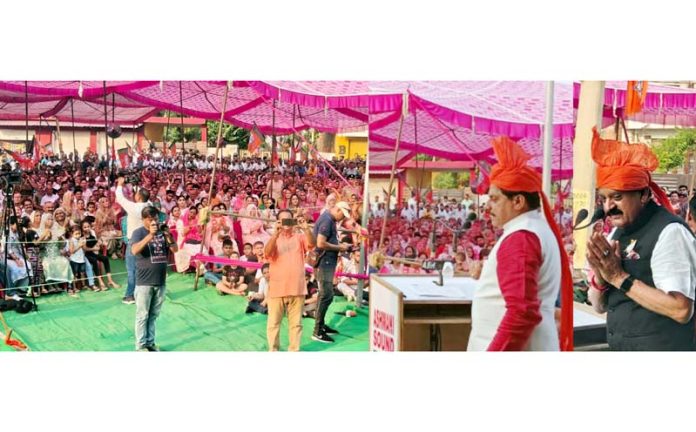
x: 322, y: 337
x: 329, y: 330
x: 128, y: 300
x: 15, y: 297
x: 152, y: 348
x: 142, y: 350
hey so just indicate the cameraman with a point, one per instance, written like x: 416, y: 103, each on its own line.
x: 328, y: 248
x: 133, y: 221
x: 150, y: 246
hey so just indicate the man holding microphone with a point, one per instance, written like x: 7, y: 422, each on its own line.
x: 150, y: 247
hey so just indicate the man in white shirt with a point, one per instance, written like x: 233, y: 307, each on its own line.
x: 134, y: 221
x: 51, y: 194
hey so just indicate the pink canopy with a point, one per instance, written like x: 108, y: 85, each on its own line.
x: 665, y: 105
x: 268, y: 105
x: 456, y: 120
x: 450, y: 119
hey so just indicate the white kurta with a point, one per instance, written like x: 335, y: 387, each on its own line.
x: 488, y: 306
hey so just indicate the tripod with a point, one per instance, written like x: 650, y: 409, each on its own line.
x: 9, y: 216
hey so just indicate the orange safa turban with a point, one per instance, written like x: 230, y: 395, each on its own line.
x: 626, y: 167
x: 512, y: 173
x: 622, y: 166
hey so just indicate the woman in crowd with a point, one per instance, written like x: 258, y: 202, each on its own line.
x: 93, y: 247
x: 253, y: 229
x: 190, y: 238
x: 55, y: 265
x: 105, y: 228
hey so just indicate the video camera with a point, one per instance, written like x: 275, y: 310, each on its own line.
x: 11, y: 177
x: 164, y: 229
x: 131, y: 177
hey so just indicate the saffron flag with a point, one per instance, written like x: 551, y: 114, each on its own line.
x: 23, y: 161
x: 481, y: 181
x: 256, y: 140
x: 123, y: 157
x: 635, y: 97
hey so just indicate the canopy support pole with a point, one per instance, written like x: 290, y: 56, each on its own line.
x: 113, y: 140
x: 391, y: 181
x: 26, y: 116
x: 72, y: 118
x: 212, y: 179
x: 364, y: 241
x: 548, y: 140
x: 106, y: 122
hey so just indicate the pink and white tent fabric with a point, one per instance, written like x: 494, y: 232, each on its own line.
x: 450, y: 119
x: 456, y: 120
x: 327, y: 106
x: 665, y: 105
x: 60, y: 99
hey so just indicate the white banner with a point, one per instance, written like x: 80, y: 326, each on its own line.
x: 386, y: 316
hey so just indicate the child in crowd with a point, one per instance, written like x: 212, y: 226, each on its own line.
x: 76, y: 245
x: 257, y: 300
x: 214, y: 276
x: 233, y: 280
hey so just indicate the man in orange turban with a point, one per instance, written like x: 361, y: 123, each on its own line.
x: 514, y: 303
x: 645, y: 272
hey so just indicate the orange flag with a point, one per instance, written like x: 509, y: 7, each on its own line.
x: 256, y: 140
x: 635, y: 97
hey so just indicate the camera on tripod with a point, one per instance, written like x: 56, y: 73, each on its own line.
x: 11, y: 176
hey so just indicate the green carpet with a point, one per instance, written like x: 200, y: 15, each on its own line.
x: 190, y: 321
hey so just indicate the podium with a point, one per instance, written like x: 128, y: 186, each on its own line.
x: 589, y: 329
x: 412, y: 313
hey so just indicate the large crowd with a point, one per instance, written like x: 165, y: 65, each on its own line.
x: 443, y: 228
x: 72, y: 218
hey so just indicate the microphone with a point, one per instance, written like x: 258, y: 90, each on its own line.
x: 582, y: 215
x: 597, y: 215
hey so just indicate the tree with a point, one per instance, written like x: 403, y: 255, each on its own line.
x: 672, y: 151
x: 450, y: 180
x: 230, y: 134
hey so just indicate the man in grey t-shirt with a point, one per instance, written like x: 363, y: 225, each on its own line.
x: 151, y: 247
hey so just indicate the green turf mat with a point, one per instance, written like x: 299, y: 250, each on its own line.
x: 190, y: 321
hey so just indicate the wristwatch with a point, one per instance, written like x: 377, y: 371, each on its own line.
x: 627, y: 284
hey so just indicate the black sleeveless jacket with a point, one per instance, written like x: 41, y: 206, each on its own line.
x: 631, y: 327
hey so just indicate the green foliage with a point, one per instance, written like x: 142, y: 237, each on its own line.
x: 672, y: 152
x: 450, y: 180
x: 230, y: 134
x: 173, y: 134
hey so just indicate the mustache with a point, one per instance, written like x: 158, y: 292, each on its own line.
x: 614, y: 212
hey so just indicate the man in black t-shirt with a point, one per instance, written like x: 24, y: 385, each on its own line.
x: 151, y: 247
x: 328, y: 247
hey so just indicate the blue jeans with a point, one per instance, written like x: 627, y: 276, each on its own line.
x: 90, y: 273
x: 130, y: 268
x: 148, y: 303
x: 212, y: 277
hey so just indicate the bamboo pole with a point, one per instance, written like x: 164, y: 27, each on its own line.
x: 212, y: 180
x: 391, y: 181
